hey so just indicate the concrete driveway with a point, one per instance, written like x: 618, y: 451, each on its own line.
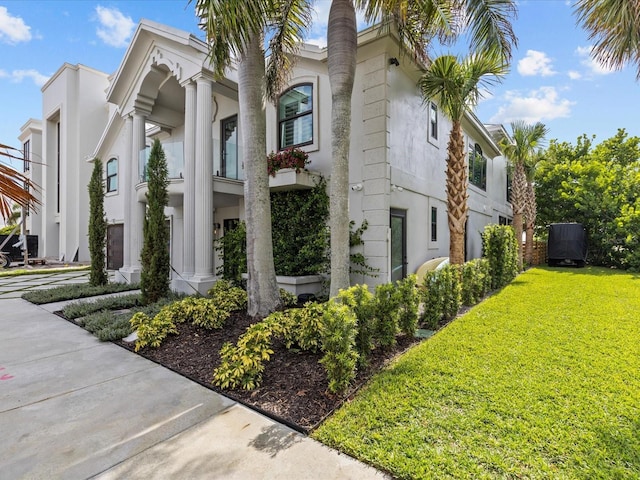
x: 72, y: 407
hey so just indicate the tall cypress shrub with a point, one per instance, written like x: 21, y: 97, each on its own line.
x: 155, y: 260
x: 97, y: 227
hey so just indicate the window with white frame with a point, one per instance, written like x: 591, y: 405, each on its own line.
x: 295, y: 116
x: 433, y: 121
x: 112, y: 175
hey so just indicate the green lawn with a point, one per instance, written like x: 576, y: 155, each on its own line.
x: 542, y: 380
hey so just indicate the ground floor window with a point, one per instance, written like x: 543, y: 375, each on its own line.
x: 398, y: 244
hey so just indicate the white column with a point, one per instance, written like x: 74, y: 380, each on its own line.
x: 126, y: 172
x: 189, y: 173
x: 137, y: 208
x: 204, y: 182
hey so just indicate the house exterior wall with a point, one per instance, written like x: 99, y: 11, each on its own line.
x: 73, y: 102
x: 395, y: 164
x: 31, y: 132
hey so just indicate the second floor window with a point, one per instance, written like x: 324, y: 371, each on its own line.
x: 26, y: 154
x: 295, y: 117
x: 433, y: 121
x: 477, y: 167
x: 112, y: 175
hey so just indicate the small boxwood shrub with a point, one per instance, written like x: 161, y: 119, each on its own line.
x: 441, y: 295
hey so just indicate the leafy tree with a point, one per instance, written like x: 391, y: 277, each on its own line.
x: 526, y: 138
x: 456, y: 84
x: 97, y: 227
x: 235, y: 29
x: 598, y: 187
x: 155, y: 260
x: 14, y: 186
x: 614, y: 25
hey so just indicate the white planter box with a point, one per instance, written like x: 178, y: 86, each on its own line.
x: 288, y: 179
x: 302, y: 284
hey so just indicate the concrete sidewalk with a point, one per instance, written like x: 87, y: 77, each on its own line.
x: 72, y: 407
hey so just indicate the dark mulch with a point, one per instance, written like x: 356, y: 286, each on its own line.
x: 294, y: 384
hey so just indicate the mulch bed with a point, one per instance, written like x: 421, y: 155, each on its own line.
x: 294, y: 384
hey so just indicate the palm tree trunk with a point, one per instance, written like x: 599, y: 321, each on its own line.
x: 456, y: 193
x: 518, y: 195
x: 342, y: 41
x: 530, y: 222
x: 262, y: 288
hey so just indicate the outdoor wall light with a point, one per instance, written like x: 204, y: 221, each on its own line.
x: 216, y: 228
x: 394, y: 61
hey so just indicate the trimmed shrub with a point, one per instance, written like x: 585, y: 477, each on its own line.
x: 387, y: 304
x: 441, y: 295
x: 408, y: 300
x: 500, y: 248
x: 362, y: 302
x: 476, y: 281
x: 304, y: 326
x: 97, y: 227
x: 288, y: 299
x: 338, y: 344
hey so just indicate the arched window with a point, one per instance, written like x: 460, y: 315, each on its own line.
x: 112, y: 175
x: 295, y: 117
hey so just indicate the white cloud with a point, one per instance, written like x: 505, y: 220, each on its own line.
x: 17, y: 76
x: 573, y: 75
x: 115, y: 29
x: 593, y: 65
x: 535, y: 63
x: 534, y: 106
x: 13, y: 29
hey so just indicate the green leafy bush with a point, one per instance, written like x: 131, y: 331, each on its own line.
x: 228, y: 297
x: 241, y: 365
x: 441, y: 295
x: 152, y: 330
x: 304, y: 326
x: 107, y: 326
x: 204, y: 312
x: 387, y: 304
x: 362, y: 302
x: 500, y: 248
x: 288, y: 299
x: 233, y: 248
x: 476, y: 280
x: 338, y: 344
x: 409, y: 301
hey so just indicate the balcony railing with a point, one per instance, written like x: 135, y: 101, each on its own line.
x: 230, y: 166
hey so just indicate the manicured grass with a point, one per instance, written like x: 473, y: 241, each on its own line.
x: 539, y: 381
x: 40, y: 271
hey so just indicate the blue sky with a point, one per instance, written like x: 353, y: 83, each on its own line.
x: 552, y: 78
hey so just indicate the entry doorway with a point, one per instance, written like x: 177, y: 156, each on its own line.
x: 398, y: 222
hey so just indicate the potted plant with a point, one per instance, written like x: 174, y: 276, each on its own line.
x: 293, y: 158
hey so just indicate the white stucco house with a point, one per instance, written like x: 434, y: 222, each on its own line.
x: 164, y: 89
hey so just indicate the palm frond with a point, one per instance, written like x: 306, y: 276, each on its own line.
x: 489, y: 24
x: 288, y: 24
x: 614, y: 26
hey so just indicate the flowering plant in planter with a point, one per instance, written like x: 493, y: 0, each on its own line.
x: 289, y: 158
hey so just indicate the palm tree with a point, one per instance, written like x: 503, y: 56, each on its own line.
x: 14, y: 186
x: 525, y: 138
x: 488, y: 25
x: 615, y: 27
x: 530, y: 206
x: 455, y: 84
x: 235, y: 29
